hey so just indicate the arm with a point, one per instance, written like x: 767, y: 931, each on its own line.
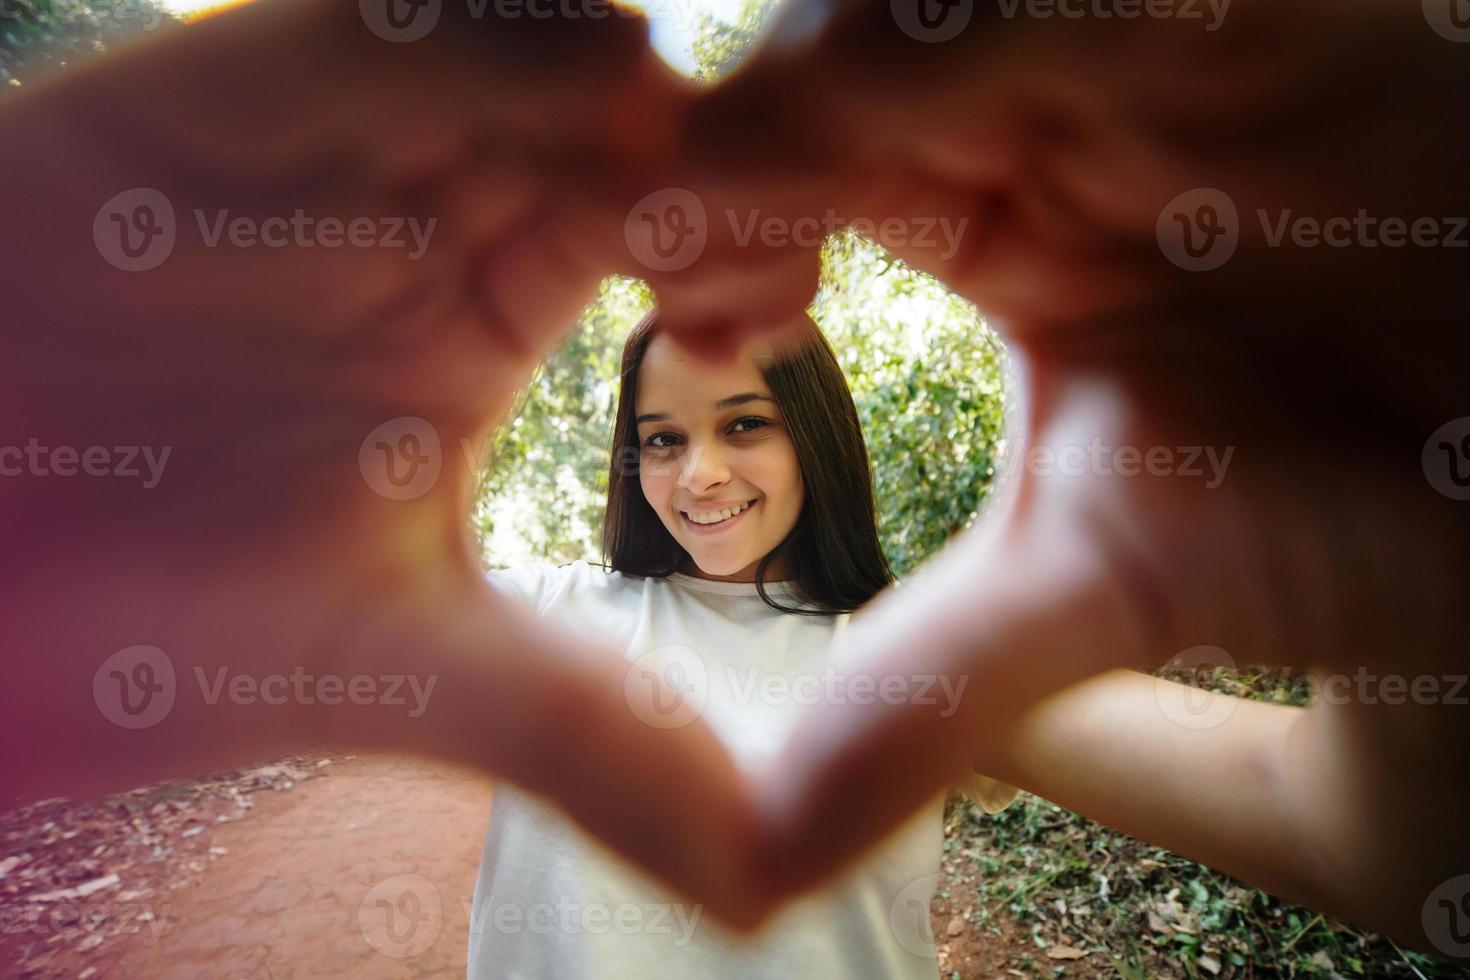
x: 1275, y: 795
x: 157, y: 625
x: 1107, y: 748
x: 1071, y: 150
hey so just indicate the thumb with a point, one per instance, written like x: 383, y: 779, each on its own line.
x: 1028, y: 603
x: 558, y: 715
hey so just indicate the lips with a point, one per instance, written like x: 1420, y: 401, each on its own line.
x: 715, y: 514
x: 717, y: 519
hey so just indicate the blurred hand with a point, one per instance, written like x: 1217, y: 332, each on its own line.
x: 270, y: 283
x: 297, y: 521
x: 1214, y: 447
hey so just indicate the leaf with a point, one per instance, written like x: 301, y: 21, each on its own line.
x: 1065, y: 953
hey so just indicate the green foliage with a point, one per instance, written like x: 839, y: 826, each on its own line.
x: 38, y: 37
x: 928, y: 377
x: 926, y: 373
x: 719, y: 46
x: 543, y: 487
x: 1062, y: 877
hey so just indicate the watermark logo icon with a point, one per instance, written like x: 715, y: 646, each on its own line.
x: 401, y: 916
x: 1446, y: 459
x: 932, y: 21
x: 401, y: 459
x: 1191, y: 707
x: 135, y: 230
x: 1199, y: 230
x: 1450, y: 19
x: 667, y: 230
x: 135, y: 688
x: 1446, y: 917
x: 908, y: 916
x: 400, y: 21
x: 667, y: 686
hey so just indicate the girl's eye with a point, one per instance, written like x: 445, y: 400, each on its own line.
x: 655, y: 441
x: 744, y: 426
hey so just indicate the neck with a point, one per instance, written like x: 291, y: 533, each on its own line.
x: 777, y: 571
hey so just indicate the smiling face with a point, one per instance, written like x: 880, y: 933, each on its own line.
x: 716, y: 463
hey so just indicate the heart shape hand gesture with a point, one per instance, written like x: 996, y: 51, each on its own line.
x: 1104, y: 165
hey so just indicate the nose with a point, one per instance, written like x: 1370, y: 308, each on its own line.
x: 703, y: 466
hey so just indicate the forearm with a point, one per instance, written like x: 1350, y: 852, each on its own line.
x: 1119, y: 749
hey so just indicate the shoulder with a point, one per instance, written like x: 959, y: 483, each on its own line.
x: 539, y: 586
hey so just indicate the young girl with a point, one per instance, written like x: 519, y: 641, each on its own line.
x: 741, y: 533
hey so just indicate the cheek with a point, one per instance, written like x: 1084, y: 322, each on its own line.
x: 656, y: 487
x: 780, y: 479
x: 653, y: 487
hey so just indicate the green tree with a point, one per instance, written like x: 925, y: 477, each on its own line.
x: 719, y: 45
x: 543, y: 485
x: 38, y: 37
x: 929, y: 380
x: 927, y: 374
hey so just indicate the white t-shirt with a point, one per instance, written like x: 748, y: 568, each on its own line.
x: 552, y: 903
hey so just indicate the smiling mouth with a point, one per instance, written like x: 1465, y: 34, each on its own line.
x: 709, y: 520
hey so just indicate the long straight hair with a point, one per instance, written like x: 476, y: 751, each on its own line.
x: 833, y: 554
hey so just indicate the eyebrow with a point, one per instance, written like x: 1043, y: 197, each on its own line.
x: 743, y: 398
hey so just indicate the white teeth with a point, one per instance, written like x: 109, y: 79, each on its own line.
x: 715, y: 516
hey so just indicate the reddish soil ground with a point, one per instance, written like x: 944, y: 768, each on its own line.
x: 355, y: 866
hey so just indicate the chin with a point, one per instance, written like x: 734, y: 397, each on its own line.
x: 716, y: 566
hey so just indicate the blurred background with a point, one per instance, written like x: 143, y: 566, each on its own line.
x: 267, y: 872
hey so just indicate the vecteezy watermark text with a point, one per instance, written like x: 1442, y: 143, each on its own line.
x: 300, y: 687
x: 668, y: 230
x: 403, y: 916
x: 1193, y: 705
x: 565, y: 916
x: 831, y: 685
x: 1098, y: 459
x: 1200, y: 229
x: 137, y: 230
x: 305, y: 231
x: 1362, y: 230
x: 138, y: 687
x: 1118, y: 10
x: 403, y: 21
x: 671, y: 685
x: 936, y: 21
x: 57, y: 913
x: 144, y: 13
x: 403, y: 458
x: 119, y: 462
x: 1446, y: 458
x: 811, y: 231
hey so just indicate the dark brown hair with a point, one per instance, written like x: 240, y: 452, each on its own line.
x: 833, y: 553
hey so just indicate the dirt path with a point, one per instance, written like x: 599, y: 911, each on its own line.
x: 366, y: 873
x: 365, y: 868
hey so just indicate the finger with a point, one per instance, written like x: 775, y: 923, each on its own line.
x: 225, y: 674
x: 1077, y: 572
x: 336, y: 125
x: 1002, y: 616
x: 1064, y: 140
x: 824, y: 75
x: 1068, y: 575
x: 337, y: 105
x: 336, y: 68
x: 550, y: 711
